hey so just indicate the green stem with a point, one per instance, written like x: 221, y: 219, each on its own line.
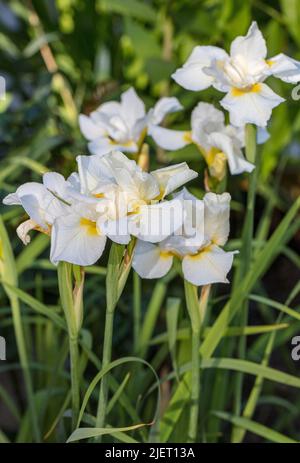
x: 137, y: 290
x: 191, y: 297
x: 118, y: 268
x: 195, y: 393
x: 71, y: 300
x: 106, y: 359
x: 74, y: 358
x: 245, y: 261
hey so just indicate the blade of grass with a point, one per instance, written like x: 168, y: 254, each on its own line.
x: 255, y: 428
x: 9, y: 275
x: 264, y: 258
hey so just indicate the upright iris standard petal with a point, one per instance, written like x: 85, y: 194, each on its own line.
x: 253, y: 45
x: 191, y: 75
x: 173, y: 177
x: 133, y: 107
x: 216, y: 217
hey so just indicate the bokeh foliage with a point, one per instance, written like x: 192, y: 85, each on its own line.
x: 63, y: 57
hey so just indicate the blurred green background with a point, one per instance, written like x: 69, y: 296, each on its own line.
x: 60, y: 58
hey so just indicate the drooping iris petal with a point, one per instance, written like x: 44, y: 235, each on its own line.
x: 75, y: 239
x: 285, y: 68
x: 208, y: 266
x: 253, y: 106
x: 169, y: 139
x: 164, y: 106
x: 149, y: 261
x: 23, y: 230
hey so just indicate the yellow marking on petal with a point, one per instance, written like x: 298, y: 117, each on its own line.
x: 160, y: 195
x: 46, y: 231
x: 166, y: 254
x: 256, y: 88
x: 201, y: 253
x: 187, y: 136
x: 270, y: 62
x: 136, y: 209
x: 99, y: 195
x: 89, y: 225
x: 125, y: 144
x: 211, y: 154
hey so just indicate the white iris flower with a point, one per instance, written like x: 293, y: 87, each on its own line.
x: 123, y: 125
x: 202, y: 263
x: 109, y: 197
x: 219, y: 143
x: 241, y: 75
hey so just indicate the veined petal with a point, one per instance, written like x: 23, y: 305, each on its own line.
x: 211, y: 265
x: 236, y: 161
x: 191, y: 75
x: 149, y: 261
x: 172, y: 177
x: 216, y: 217
x: 163, y: 107
x: 252, y: 46
x: 75, y: 239
x: 253, y: 106
x: 89, y: 128
x: 285, y: 68
x: 169, y: 139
